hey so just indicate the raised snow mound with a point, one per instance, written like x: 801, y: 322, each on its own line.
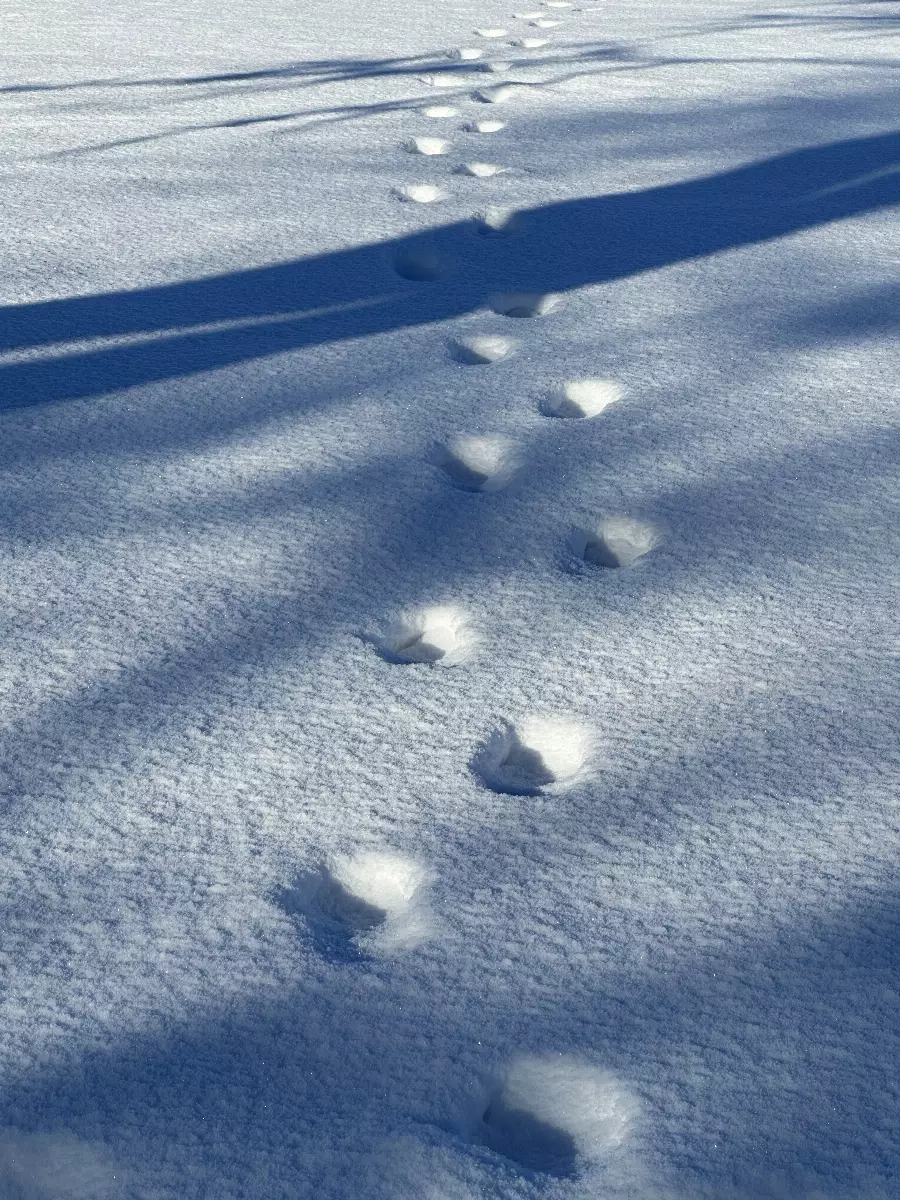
x: 376, y: 899
x: 614, y: 542
x: 539, y: 754
x: 582, y: 398
x: 438, y: 633
x: 550, y: 1114
x: 478, y: 462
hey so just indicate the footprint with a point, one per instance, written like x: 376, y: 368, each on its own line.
x: 497, y: 67
x: 428, y: 145
x: 445, y: 79
x: 543, y: 23
x: 582, y: 397
x: 439, y: 633
x: 551, y: 1114
x: 497, y: 95
x: 485, y: 126
x: 491, y: 33
x: 440, y: 110
x: 531, y: 43
x: 614, y: 542
x: 497, y: 222
x: 478, y: 462
x: 422, y: 266
x: 375, y: 902
x: 557, y: 4
x: 420, y: 193
x: 466, y: 53
x: 541, y: 754
x: 480, y: 170
x: 480, y: 350
x: 529, y: 16
x: 524, y: 304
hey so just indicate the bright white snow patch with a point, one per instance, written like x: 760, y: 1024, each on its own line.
x: 541, y: 753
x: 466, y: 53
x: 497, y: 221
x: 378, y: 897
x: 421, y: 193
x: 497, y: 66
x: 440, y: 110
x: 497, y: 95
x: 428, y: 145
x: 479, y: 463
x: 480, y: 350
x: 439, y: 633
x: 529, y: 16
x: 545, y: 24
x: 531, y: 43
x: 480, y: 170
x: 491, y: 33
x: 486, y: 126
x: 615, y: 542
x: 547, y: 1113
x: 524, y: 304
x: 583, y: 397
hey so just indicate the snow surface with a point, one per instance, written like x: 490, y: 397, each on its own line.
x: 292, y: 911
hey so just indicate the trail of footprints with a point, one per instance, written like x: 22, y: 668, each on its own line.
x: 548, y: 1115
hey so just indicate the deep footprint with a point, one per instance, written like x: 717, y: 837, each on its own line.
x: 580, y: 398
x: 539, y: 754
x: 478, y: 463
x: 480, y: 351
x: 524, y: 304
x: 614, y: 542
x: 439, y: 633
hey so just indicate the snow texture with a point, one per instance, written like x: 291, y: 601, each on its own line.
x: 291, y: 911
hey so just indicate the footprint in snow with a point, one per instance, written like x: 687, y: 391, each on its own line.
x: 491, y: 33
x: 540, y: 754
x: 480, y: 350
x: 543, y: 23
x: 497, y: 67
x: 420, y: 193
x: 582, y: 398
x: 440, y: 110
x: 480, y: 170
x: 557, y: 4
x: 466, y: 53
x: 478, y: 462
x: 531, y: 43
x: 438, y: 633
x: 524, y: 304
x: 497, y: 222
x: 529, y: 16
x: 427, y: 145
x: 555, y: 1114
x: 421, y: 266
x: 497, y: 95
x: 372, y: 903
x: 614, y: 542
x: 484, y: 126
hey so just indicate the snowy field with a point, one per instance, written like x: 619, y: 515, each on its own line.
x: 449, y: 519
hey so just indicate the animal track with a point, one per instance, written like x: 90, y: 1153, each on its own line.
x: 422, y: 266
x: 497, y: 95
x: 547, y: 1114
x: 480, y: 170
x: 477, y: 462
x: 439, y: 633
x: 524, y: 304
x: 491, y: 33
x: 497, y: 222
x: 540, y: 754
x: 486, y: 126
x: 479, y: 350
x: 582, y: 397
x: 428, y: 145
x: 614, y: 542
x: 440, y: 110
x: 375, y: 901
x: 420, y: 193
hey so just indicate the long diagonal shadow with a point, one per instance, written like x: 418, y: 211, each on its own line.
x: 203, y: 324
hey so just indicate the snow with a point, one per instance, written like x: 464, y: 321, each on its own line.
x: 364, y: 834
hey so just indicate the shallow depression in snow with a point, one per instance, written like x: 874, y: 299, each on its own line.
x: 422, y: 266
x: 582, y: 397
x: 524, y: 304
x: 541, y: 753
x: 614, y: 542
x: 438, y: 633
x: 478, y: 462
x: 420, y: 193
x: 377, y: 899
x: 480, y: 350
x: 546, y: 1114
